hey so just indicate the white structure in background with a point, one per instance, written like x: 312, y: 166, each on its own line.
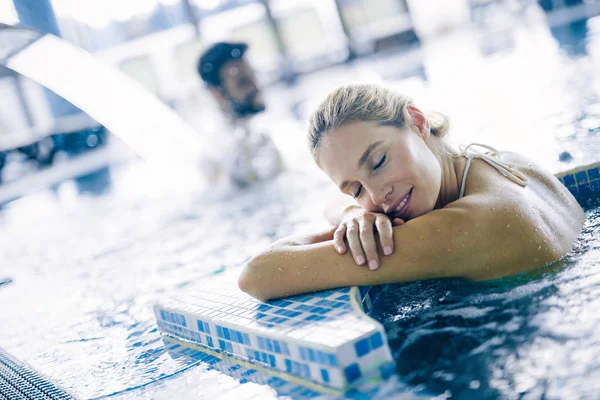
x: 371, y: 21
x: 111, y: 99
x: 8, y: 15
x: 164, y: 62
x: 433, y: 17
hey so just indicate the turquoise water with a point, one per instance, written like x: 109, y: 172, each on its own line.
x: 88, y: 258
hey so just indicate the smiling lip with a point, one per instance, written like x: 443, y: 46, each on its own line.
x: 393, y: 212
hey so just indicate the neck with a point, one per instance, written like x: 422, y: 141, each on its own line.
x: 452, y: 174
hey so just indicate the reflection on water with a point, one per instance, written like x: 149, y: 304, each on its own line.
x: 89, y: 259
x: 88, y: 270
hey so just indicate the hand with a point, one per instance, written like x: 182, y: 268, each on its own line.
x: 358, y: 227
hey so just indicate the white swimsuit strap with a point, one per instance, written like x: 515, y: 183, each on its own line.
x: 505, y: 169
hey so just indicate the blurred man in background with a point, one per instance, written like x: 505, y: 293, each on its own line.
x: 250, y: 155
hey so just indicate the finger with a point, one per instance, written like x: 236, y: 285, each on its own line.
x: 367, y: 239
x: 397, y: 222
x: 338, y: 239
x: 386, y: 234
x: 353, y: 238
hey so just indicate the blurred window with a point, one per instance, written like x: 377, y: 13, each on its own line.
x: 378, y: 10
x: 186, y: 59
x: 141, y: 69
x: 303, y: 33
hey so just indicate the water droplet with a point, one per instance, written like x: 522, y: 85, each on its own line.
x: 474, y: 384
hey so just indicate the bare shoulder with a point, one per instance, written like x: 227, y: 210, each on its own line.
x: 544, y: 205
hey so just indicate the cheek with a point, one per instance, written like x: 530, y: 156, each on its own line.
x: 429, y: 169
x: 436, y: 173
x: 434, y: 180
x: 364, y: 201
x: 368, y: 206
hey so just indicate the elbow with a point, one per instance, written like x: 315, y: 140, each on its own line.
x: 252, y: 283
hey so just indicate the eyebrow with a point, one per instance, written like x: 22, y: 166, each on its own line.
x: 363, y: 159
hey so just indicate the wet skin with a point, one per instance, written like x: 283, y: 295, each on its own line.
x: 497, y: 229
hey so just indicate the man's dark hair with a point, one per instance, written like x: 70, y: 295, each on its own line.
x: 217, y: 55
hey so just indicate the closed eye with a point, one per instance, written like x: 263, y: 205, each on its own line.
x: 380, y: 163
x: 358, y: 192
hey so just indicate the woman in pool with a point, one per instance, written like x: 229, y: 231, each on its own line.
x: 421, y: 209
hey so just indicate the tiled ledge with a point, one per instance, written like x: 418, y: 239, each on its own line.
x: 582, y: 182
x: 323, y: 338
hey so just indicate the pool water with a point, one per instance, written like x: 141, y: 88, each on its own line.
x: 534, y: 335
x: 86, y: 260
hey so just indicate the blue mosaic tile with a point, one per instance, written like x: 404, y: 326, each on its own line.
x: 594, y: 173
x: 362, y: 347
x: 569, y: 180
x: 376, y: 341
x: 352, y: 372
x: 584, y: 189
x: 581, y: 177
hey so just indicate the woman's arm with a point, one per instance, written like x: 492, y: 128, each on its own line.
x: 465, y: 239
x: 360, y: 231
x: 304, y: 240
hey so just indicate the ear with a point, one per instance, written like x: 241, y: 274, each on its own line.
x: 420, y: 122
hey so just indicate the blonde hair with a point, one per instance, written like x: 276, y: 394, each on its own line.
x: 368, y: 102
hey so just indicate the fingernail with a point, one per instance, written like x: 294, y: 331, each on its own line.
x: 387, y: 250
x: 340, y: 249
x: 373, y: 265
x: 360, y: 260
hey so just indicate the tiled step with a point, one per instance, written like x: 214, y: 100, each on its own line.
x: 19, y: 382
x: 323, y: 338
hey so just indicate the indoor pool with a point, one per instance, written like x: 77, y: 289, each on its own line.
x: 83, y: 262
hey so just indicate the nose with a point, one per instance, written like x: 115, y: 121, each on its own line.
x: 379, y: 196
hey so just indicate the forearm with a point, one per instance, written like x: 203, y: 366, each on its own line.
x: 466, y: 242
x: 286, y: 270
x: 302, y: 240
x: 289, y: 269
